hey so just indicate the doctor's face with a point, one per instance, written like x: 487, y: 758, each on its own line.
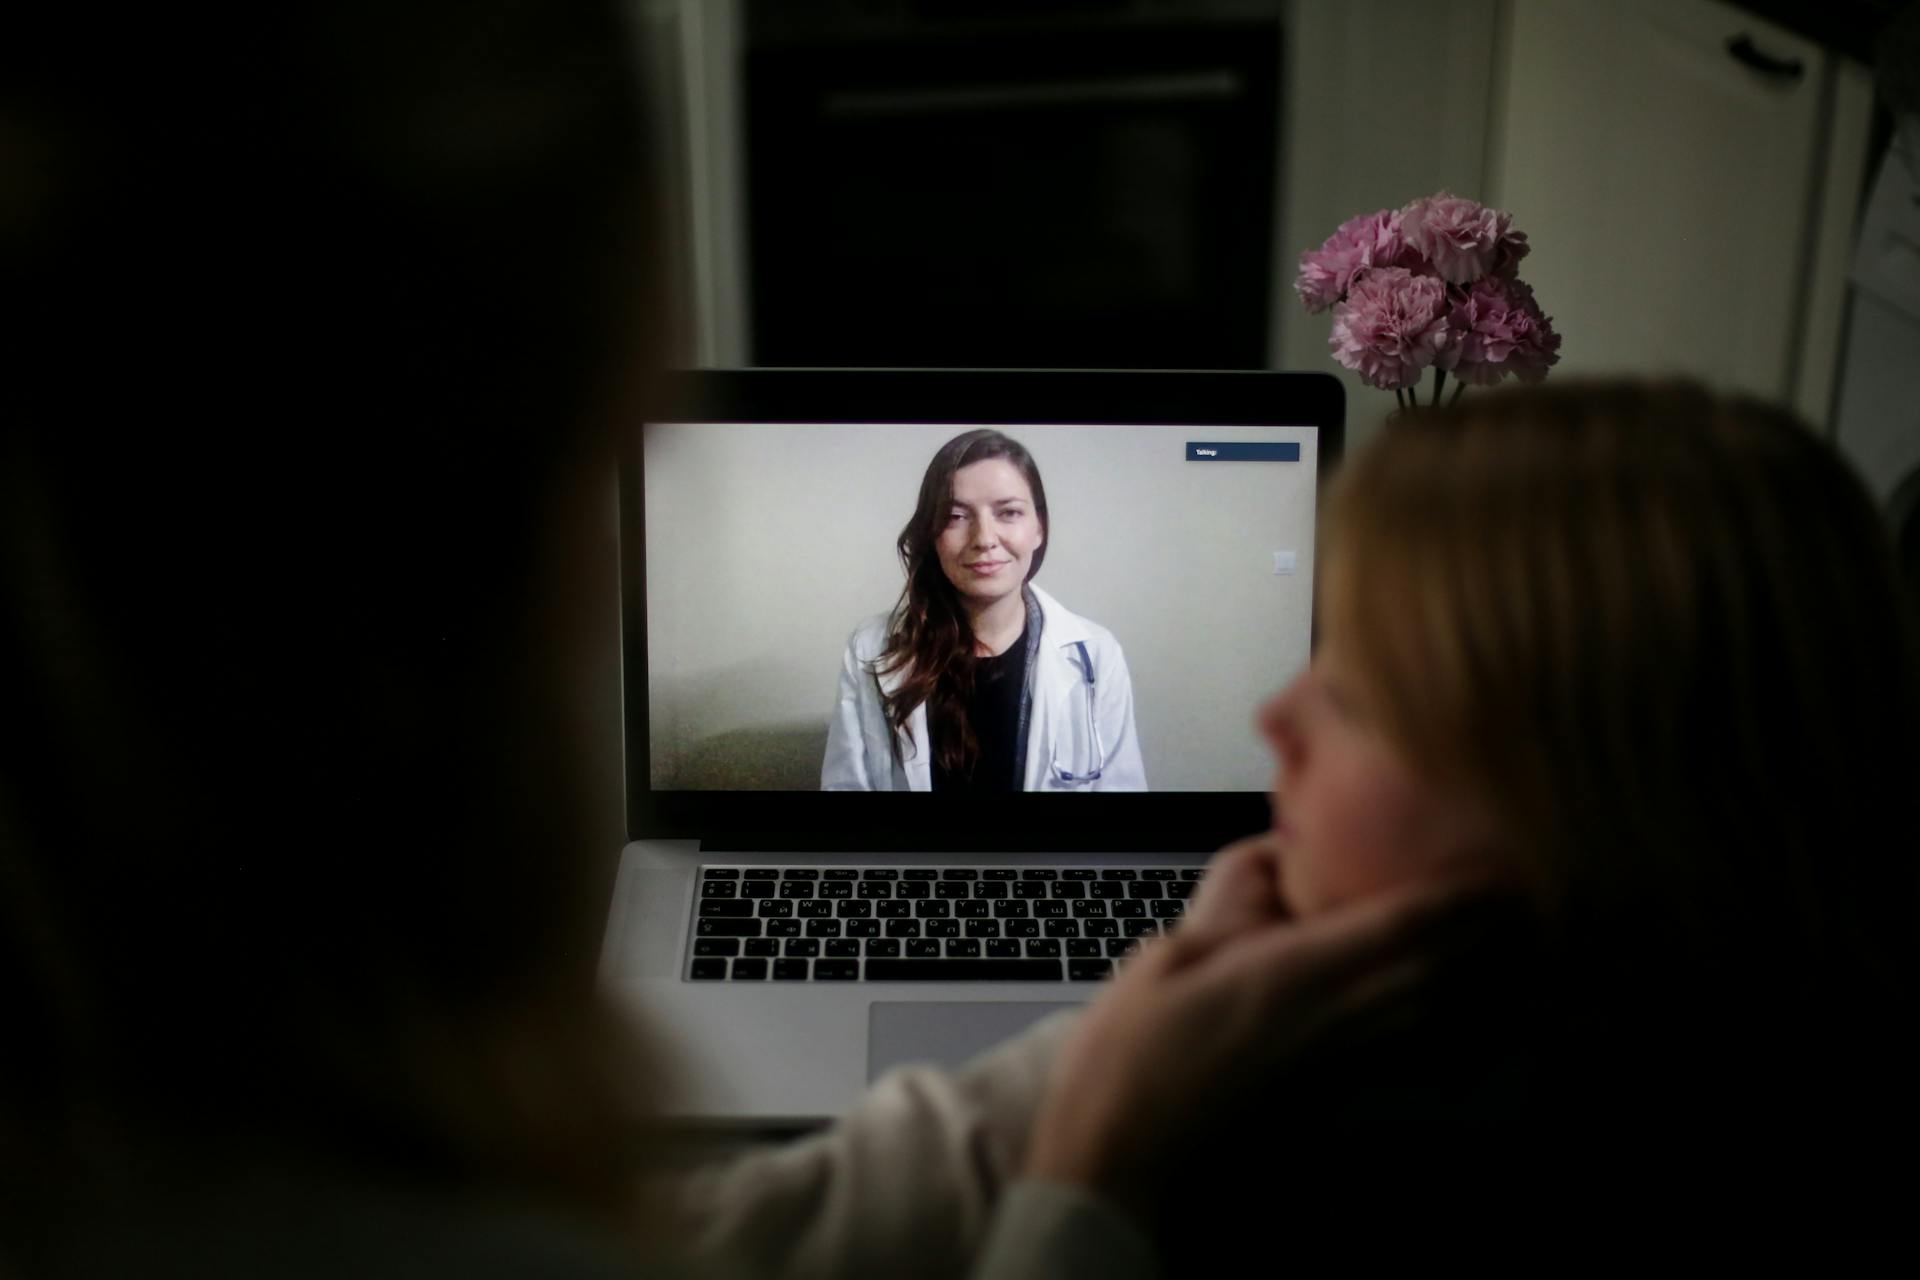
x: 991, y: 531
x: 1353, y: 815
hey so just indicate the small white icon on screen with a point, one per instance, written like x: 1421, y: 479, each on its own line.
x: 1284, y: 561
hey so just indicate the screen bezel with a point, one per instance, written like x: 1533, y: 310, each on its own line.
x: 864, y: 822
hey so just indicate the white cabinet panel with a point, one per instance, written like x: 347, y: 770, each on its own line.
x: 1666, y: 187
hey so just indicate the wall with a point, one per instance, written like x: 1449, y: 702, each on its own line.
x: 767, y: 545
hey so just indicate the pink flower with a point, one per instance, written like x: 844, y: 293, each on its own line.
x: 1463, y: 239
x: 1391, y: 326
x: 1498, y: 329
x: 1370, y: 240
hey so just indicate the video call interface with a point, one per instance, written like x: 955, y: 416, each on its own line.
x: 1172, y: 571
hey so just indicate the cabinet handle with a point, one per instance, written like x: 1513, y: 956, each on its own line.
x: 1748, y: 54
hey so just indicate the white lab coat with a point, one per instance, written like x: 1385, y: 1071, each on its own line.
x: 861, y: 747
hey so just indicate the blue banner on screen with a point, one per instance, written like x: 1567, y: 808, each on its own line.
x: 1240, y: 451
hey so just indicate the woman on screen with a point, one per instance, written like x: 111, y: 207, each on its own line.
x: 978, y: 680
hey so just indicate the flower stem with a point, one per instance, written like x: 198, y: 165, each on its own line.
x: 1457, y: 389
x: 1439, y: 381
x: 1398, y: 398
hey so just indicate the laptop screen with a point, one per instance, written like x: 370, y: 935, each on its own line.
x: 773, y: 547
x: 1127, y: 591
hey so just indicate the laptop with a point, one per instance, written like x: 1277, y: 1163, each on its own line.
x: 824, y: 878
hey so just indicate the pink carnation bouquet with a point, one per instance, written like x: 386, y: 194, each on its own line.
x: 1433, y: 285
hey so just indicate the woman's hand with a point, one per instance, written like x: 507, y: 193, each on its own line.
x: 1198, y: 1020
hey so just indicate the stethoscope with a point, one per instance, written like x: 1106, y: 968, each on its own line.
x: 1093, y: 728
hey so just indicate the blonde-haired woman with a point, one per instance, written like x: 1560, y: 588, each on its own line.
x: 1640, y: 654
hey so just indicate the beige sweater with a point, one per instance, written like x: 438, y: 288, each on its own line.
x: 917, y: 1180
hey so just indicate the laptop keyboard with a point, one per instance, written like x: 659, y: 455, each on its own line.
x: 928, y: 924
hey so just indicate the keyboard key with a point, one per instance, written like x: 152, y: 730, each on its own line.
x: 707, y: 970
x: 963, y: 949
x: 837, y: 971
x: 920, y: 873
x: 964, y: 970
x: 1089, y: 907
x: 1049, y: 909
x: 1068, y: 889
x: 1145, y: 889
x: 1011, y: 909
x: 783, y: 928
x: 763, y: 873
x: 959, y: 873
x: 1180, y: 889
x: 903, y: 928
x: 942, y: 928
x: 924, y: 949
x: 1030, y: 889
x: 1166, y: 908
x: 1158, y: 873
x: 722, y: 908
x: 763, y: 946
x: 1083, y: 948
x: 1100, y: 928
x: 1043, y: 947
x: 879, y: 873
x: 1117, y: 948
x: 790, y: 970
x: 796, y: 889
x: 826, y: 928
x: 1040, y: 874
x: 863, y: 928
x: 1119, y: 873
x: 808, y: 947
x: 800, y: 873
x: 1128, y: 909
x: 1021, y: 928
x: 721, y: 873
x: 999, y: 873
x: 716, y: 947
x: 875, y: 889
x: 1088, y: 970
x: 887, y: 948
x: 728, y: 928
x: 990, y: 889
x: 836, y: 889
x: 913, y: 889
x: 982, y: 928
x: 813, y: 909
x: 951, y: 889
x: 1191, y: 873
x: 719, y: 889
x: 774, y: 909
x: 971, y: 909
x: 853, y: 910
x: 749, y: 970
x: 1080, y: 873
x: 756, y: 889
x: 1108, y: 889
x: 932, y: 910
x: 892, y: 909
x: 1003, y: 949
x: 1063, y: 928
x: 841, y: 947
x: 843, y: 873
x: 1140, y: 929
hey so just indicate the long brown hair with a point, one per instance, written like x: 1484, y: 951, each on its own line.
x: 1662, y: 633
x: 928, y: 635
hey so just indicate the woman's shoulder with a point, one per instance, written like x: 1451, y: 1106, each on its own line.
x: 1063, y: 626
x: 869, y: 639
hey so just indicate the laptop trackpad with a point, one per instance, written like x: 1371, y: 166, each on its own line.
x: 945, y: 1033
